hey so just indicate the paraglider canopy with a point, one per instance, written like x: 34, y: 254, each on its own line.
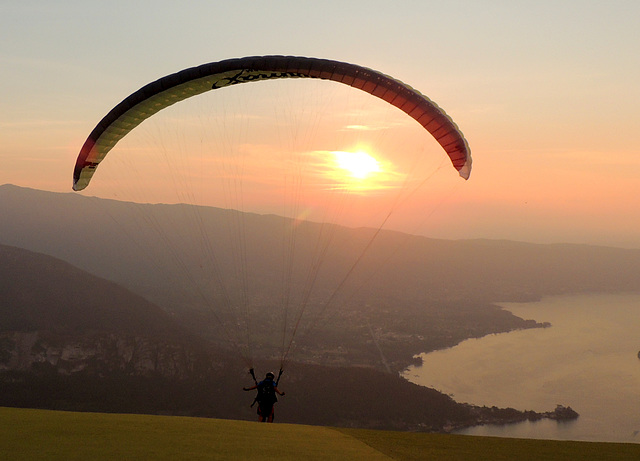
x: 173, y: 88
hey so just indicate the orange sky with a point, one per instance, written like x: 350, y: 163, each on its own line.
x: 546, y: 95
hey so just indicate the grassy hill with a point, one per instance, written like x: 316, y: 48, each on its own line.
x: 50, y: 435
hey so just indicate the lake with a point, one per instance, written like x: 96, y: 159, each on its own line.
x: 588, y: 359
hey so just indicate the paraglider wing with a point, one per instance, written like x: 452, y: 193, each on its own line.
x: 173, y: 88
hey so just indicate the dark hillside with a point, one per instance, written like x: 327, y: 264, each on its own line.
x: 42, y: 293
x: 57, y: 319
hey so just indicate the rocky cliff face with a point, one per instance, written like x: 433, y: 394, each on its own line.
x: 98, y: 354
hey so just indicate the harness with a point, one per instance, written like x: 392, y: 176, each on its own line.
x: 266, y: 394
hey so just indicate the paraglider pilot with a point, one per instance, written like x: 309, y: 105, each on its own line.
x: 266, y: 397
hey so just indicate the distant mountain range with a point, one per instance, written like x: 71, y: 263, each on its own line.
x: 146, y: 248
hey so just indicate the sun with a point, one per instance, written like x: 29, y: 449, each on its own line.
x: 358, y: 165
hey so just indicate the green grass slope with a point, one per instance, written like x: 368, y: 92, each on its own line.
x: 40, y: 434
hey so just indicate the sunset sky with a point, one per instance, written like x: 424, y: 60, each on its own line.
x: 546, y: 93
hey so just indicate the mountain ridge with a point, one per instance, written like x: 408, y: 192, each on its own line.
x: 102, y: 237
